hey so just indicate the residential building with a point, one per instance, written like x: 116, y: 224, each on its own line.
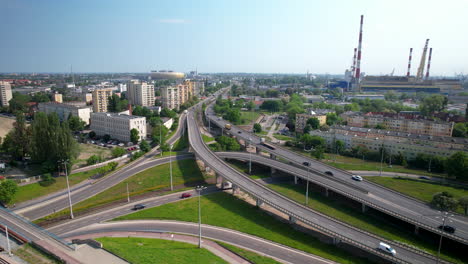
x: 5, y: 93
x: 409, y: 145
x: 170, y: 97
x: 301, y: 120
x: 140, y: 93
x: 65, y: 110
x: 118, y: 126
x: 195, y: 87
x: 184, y: 93
x: 101, y: 100
x: 410, y: 123
x: 87, y: 97
x: 58, y: 98
x: 122, y: 87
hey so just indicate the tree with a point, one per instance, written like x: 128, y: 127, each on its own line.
x: 144, y: 146
x: 433, y: 103
x: 20, y: 138
x: 106, y: 137
x: 117, y: 152
x: 391, y: 96
x: 380, y: 126
x: 444, y: 201
x: 332, y: 118
x: 250, y: 105
x: 257, y: 128
x: 457, y: 165
x: 8, y: 189
x: 92, y: 134
x: 460, y: 129
x: 463, y: 201
x: 313, y: 122
x: 310, y: 141
x: 75, y: 123
x: 318, y: 153
x: 233, y: 115
x: 339, y: 146
x: 18, y: 102
x: 93, y: 160
x: 134, y: 135
x: 166, y: 112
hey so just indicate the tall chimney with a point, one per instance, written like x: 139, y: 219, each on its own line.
x: 354, y: 62
x: 429, y: 63
x: 409, y: 62
x: 358, y: 63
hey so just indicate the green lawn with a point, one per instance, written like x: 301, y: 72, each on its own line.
x: 257, y: 171
x: 248, y: 117
x: 87, y: 150
x: 222, y: 209
x: 148, y: 250
x: 34, y: 190
x: 182, y: 143
x: 262, y: 133
x: 31, y: 254
x: 173, y: 153
x: 249, y: 255
x: 356, y: 218
x: 155, y: 178
x: 282, y: 137
x: 421, y: 190
x: 207, y: 138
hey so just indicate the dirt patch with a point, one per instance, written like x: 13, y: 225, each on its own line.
x: 6, y: 124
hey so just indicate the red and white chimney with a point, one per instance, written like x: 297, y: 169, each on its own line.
x: 429, y: 63
x: 358, y: 63
x: 409, y: 62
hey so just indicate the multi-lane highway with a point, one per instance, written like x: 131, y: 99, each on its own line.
x: 389, y: 201
x: 296, y: 211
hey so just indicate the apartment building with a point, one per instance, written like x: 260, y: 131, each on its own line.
x: 170, y: 97
x: 5, y: 93
x: 65, y: 110
x: 140, y: 93
x: 58, y: 98
x: 101, y: 100
x: 195, y: 87
x: 301, y: 119
x: 118, y: 126
x: 411, y: 123
x: 410, y: 145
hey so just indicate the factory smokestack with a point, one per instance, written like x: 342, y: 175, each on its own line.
x: 354, y: 62
x: 409, y: 62
x: 358, y: 63
x: 429, y: 63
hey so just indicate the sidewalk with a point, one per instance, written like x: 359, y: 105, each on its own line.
x: 214, y: 247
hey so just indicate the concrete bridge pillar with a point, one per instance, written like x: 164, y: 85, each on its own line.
x: 273, y: 170
x: 295, y: 179
x: 326, y: 192
x: 272, y: 156
x: 207, y: 169
x: 259, y: 202
x: 257, y: 150
x: 364, y: 208
x: 235, y: 189
x: 416, y: 230
x: 219, y: 179
x: 292, y: 219
x: 336, y: 240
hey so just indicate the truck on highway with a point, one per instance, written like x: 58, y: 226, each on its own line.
x: 263, y: 142
x: 227, y: 185
x: 185, y: 111
x: 228, y: 126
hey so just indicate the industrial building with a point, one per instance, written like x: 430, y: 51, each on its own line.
x: 118, y: 126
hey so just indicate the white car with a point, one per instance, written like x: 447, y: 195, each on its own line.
x: 356, y: 177
x: 387, y: 249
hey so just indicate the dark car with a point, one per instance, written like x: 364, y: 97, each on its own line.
x: 305, y: 163
x: 329, y: 173
x: 186, y: 195
x: 138, y: 207
x: 447, y: 228
x: 424, y: 178
x: 239, y: 132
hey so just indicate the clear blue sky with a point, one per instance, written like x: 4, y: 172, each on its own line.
x: 230, y: 36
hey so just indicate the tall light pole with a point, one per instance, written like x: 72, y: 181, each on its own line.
x: 199, y: 190
x: 170, y: 165
x: 381, y: 160
x: 250, y: 157
x: 307, y: 187
x: 8, y: 241
x: 128, y: 194
x: 64, y: 162
x: 445, y: 216
x: 160, y: 136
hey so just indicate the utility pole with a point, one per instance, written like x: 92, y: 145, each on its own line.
x: 128, y: 194
x: 381, y: 160
x: 160, y: 136
x: 64, y: 162
x: 199, y: 190
x: 170, y: 165
x: 445, y: 216
x: 250, y: 158
x: 307, y: 187
x: 8, y: 241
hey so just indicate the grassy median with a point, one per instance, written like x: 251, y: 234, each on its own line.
x: 249, y: 255
x: 149, y: 250
x: 222, y: 209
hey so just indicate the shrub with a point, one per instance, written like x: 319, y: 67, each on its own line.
x: 47, y: 180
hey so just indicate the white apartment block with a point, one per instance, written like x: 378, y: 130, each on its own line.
x: 101, y: 100
x: 170, y: 97
x: 410, y: 145
x: 65, y: 110
x: 140, y: 93
x: 5, y: 93
x: 118, y: 126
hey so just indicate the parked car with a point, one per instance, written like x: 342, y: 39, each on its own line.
x: 305, y: 163
x: 387, y: 248
x: 239, y: 132
x: 186, y: 195
x: 138, y: 207
x: 356, y: 178
x: 329, y: 173
x: 121, y: 144
x: 424, y: 178
x: 447, y: 228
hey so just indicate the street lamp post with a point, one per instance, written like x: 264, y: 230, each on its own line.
x: 8, y: 241
x: 160, y: 137
x: 445, y: 216
x: 128, y: 194
x: 307, y: 187
x: 381, y: 160
x: 250, y: 157
x: 64, y: 162
x: 170, y: 165
x: 199, y: 190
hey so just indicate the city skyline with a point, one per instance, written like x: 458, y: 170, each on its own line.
x: 258, y: 37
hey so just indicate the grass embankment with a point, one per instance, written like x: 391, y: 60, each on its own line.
x: 258, y: 172
x: 249, y: 255
x: 32, y: 255
x: 155, y: 178
x: 261, y: 133
x: 248, y: 117
x: 207, y: 138
x: 148, y: 250
x: 87, y: 150
x: 34, y: 190
x: 356, y: 218
x: 182, y: 143
x: 282, y: 137
x: 222, y: 209
x: 422, y: 190
x: 171, y: 153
